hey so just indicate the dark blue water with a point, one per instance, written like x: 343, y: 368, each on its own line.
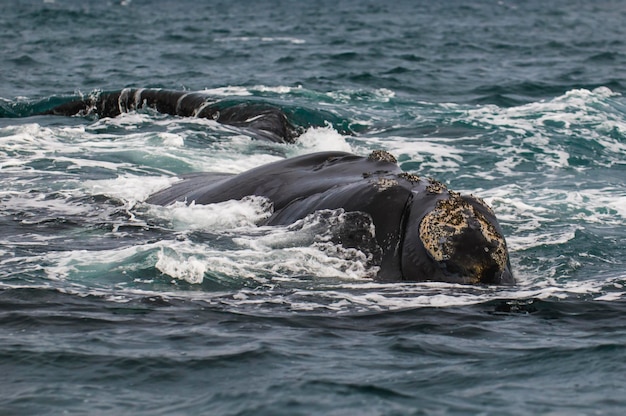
x: 109, y: 305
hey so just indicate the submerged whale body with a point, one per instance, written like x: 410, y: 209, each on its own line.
x: 264, y: 121
x: 423, y: 231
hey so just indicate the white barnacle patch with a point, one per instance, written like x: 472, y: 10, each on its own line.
x: 435, y: 187
x: 383, y: 184
x: 410, y: 177
x: 382, y: 156
x: 450, y: 218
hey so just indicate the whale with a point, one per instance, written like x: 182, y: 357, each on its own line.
x: 262, y: 120
x: 422, y: 231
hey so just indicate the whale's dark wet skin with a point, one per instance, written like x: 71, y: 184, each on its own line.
x: 423, y: 230
x: 263, y: 121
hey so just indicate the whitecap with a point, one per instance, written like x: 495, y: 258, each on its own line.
x: 537, y: 129
x: 129, y: 188
x: 317, y: 139
x: 227, y: 215
x: 434, y: 154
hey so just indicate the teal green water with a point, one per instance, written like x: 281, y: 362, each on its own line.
x: 111, y: 306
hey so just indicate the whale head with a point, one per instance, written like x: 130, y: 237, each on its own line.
x: 454, y: 238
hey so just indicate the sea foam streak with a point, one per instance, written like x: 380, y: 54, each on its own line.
x: 549, y: 130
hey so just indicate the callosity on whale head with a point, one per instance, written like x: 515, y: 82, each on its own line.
x: 453, y: 238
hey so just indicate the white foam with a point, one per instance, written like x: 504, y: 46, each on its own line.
x: 127, y: 120
x: 551, y: 216
x: 44, y: 207
x: 267, y: 39
x: 129, y: 187
x: 192, y: 263
x: 518, y: 242
x: 317, y: 139
x: 75, y: 148
x: 574, y: 107
x: 434, y: 154
x: 382, y: 95
x: 582, y: 114
x: 262, y: 254
x: 239, y: 91
x: 230, y: 155
x: 349, y: 292
x: 29, y: 141
x: 232, y: 162
x: 278, y: 89
x: 228, y: 91
x: 84, y: 264
x: 611, y: 296
x: 171, y: 139
x: 189, y: 269
x: 364, y: 296
x: 604, y: 206
x: 226, y: 215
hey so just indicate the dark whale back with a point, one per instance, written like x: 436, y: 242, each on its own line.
x: 400, y: 205
x: 263, y: 121
x: 302, y: 185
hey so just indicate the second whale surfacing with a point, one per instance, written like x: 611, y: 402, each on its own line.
x: 422, y: 230
x: 262, y: 120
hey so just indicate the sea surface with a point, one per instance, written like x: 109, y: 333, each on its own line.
x: 111, y: 306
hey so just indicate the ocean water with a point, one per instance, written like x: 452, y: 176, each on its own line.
x: 109, y: 305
